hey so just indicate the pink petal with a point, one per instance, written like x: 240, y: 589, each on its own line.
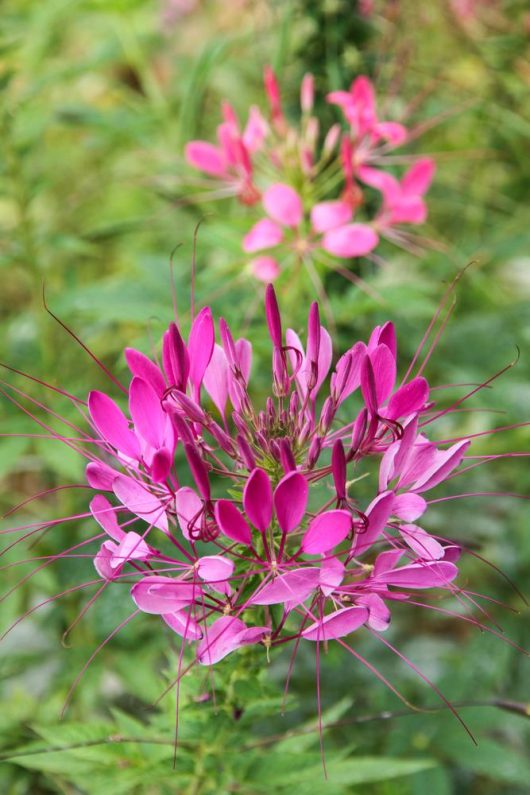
x: 100, y: 476
x: 421, y: 542
x: 384, y: 335
x: 216, y: 571
x: 378, y: 514
x: 347, y: 375
x: 332, y: 574
x: 257, y: 499
x: 232, y: 523
x: 337, y: 624
x: 408, y: 210
x: 326, y: 531
x: 379, y: 614
x: 132, y: 547
x: 329, y: 215
x: 421, y: 575
x: 266, y: 269
x: 147, y: 413
x: 255, y: 131
x: 409, y: 506
x: 200, y: 347
x: 418, y: 178
x: 161, y: 464
x: 206, y: 157
x: 183, y: 624
x: 144, y: 368
x: 264, y: 234
x: 189, y: 509
x: 159, y: 595
x: 102, y: 560
x: 409, y: 399
x: 283, y: 204
x: 293, y: 587
x: 112, y: 424
x: 381, y: 181
x: 352, y: 240
x: 105, y: 515
x: 216, y: 379
x: 224, y: 636
x: 445, y: 462
x: 395, y: 133
x: 290, y: 501
x: 140, y: 502
x: 384, y: 367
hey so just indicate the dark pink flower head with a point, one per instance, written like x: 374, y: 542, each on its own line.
x: 269, y: 504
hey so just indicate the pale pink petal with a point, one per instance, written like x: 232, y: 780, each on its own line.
x: 445, y: 462
x: 337, y: 624
x: 421, y: 542
x: 379, y: 614
x: 293, y: 587
x: 183, y: 624
x: 257, y: 499
x: 102, y: 560
x: 264, y: 234
x: 329, y: 215
x: 325, y: 531
x: 112, y: 424
x: 290, y: 501
x: 283, y: 204
x: 409, y: 506
x: 132, y: 547
x: 352, y: 240
x: 140, y: 502
x: 206, y: 157
x: 266, y: 269
x: 105, y: 515
x: 189, y: 509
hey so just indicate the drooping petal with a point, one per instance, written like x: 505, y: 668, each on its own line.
x: 290, y: 501
x: 283, y: 204
x: 264, y: 234
x: 189, y: 509
x: 105, y: 515
x: 102, y: 560
x: 421, y: 575
x: 257, y: 499
x: 100, y: 476
x: 377, y: 513
x: 326, y: 531
x: 216, y: 570
x: 293, y: 588
x: 337, y: 625
x: 330, y: 215
x: 140, y: 502
x: 445, y: 462
x: 378, y: 612
x: 408, y: 506
x: 159, y: 595
x: 183, y: 624
x: 351, y: 240
x: 424, y: 545
x: 332, y: 573
x: 112, y: 424
x: 206, y: 157
x: 232, y: 522
x: 131, y: 547
x: 224, y: 636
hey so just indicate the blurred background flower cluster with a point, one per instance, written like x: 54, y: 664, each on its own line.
x: 98, y: 99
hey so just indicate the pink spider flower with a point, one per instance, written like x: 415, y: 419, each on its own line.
x: 209, y: 559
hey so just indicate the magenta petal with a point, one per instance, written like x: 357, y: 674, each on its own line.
x: 377, y: 513
x: 283, y: 204
x: 224, y: 636
x: 395, y: 133
x: 332, y: 573
x: 103, y: 560
x: 158, y: 595
x: 112, y: 424
x: 408, y: 506
x: 326, y: 531
x: 418, y: 178
x: 421, y: 542
x: 100, y: 476
x: 264, y: 234
x: 232, y: 523
x: 216, y: 571
x: 384, y: 367
x: 337, y: 624
x: 147, y: 413
x: 329, y: 215
x: 105, y: 515
x: 144, y: 368
x: 379, y: 614
x: 132, y: 547
x: 183, y: 624
x: 257, y: 499
x: 444, y: 464
x: 409, y: 399
x: 161, y: 464
x: 352, y: 240
x: 200, y: 346
x: 293, y: 587
x: 421, y: 575
x: 206, y: 157
x: 290, y: 501
x: 140, y: 502
x: 189, y: 509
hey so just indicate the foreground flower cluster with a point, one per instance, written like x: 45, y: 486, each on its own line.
x: 311, y: 194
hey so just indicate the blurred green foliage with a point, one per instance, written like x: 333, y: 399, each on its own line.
x: 97, y: 100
